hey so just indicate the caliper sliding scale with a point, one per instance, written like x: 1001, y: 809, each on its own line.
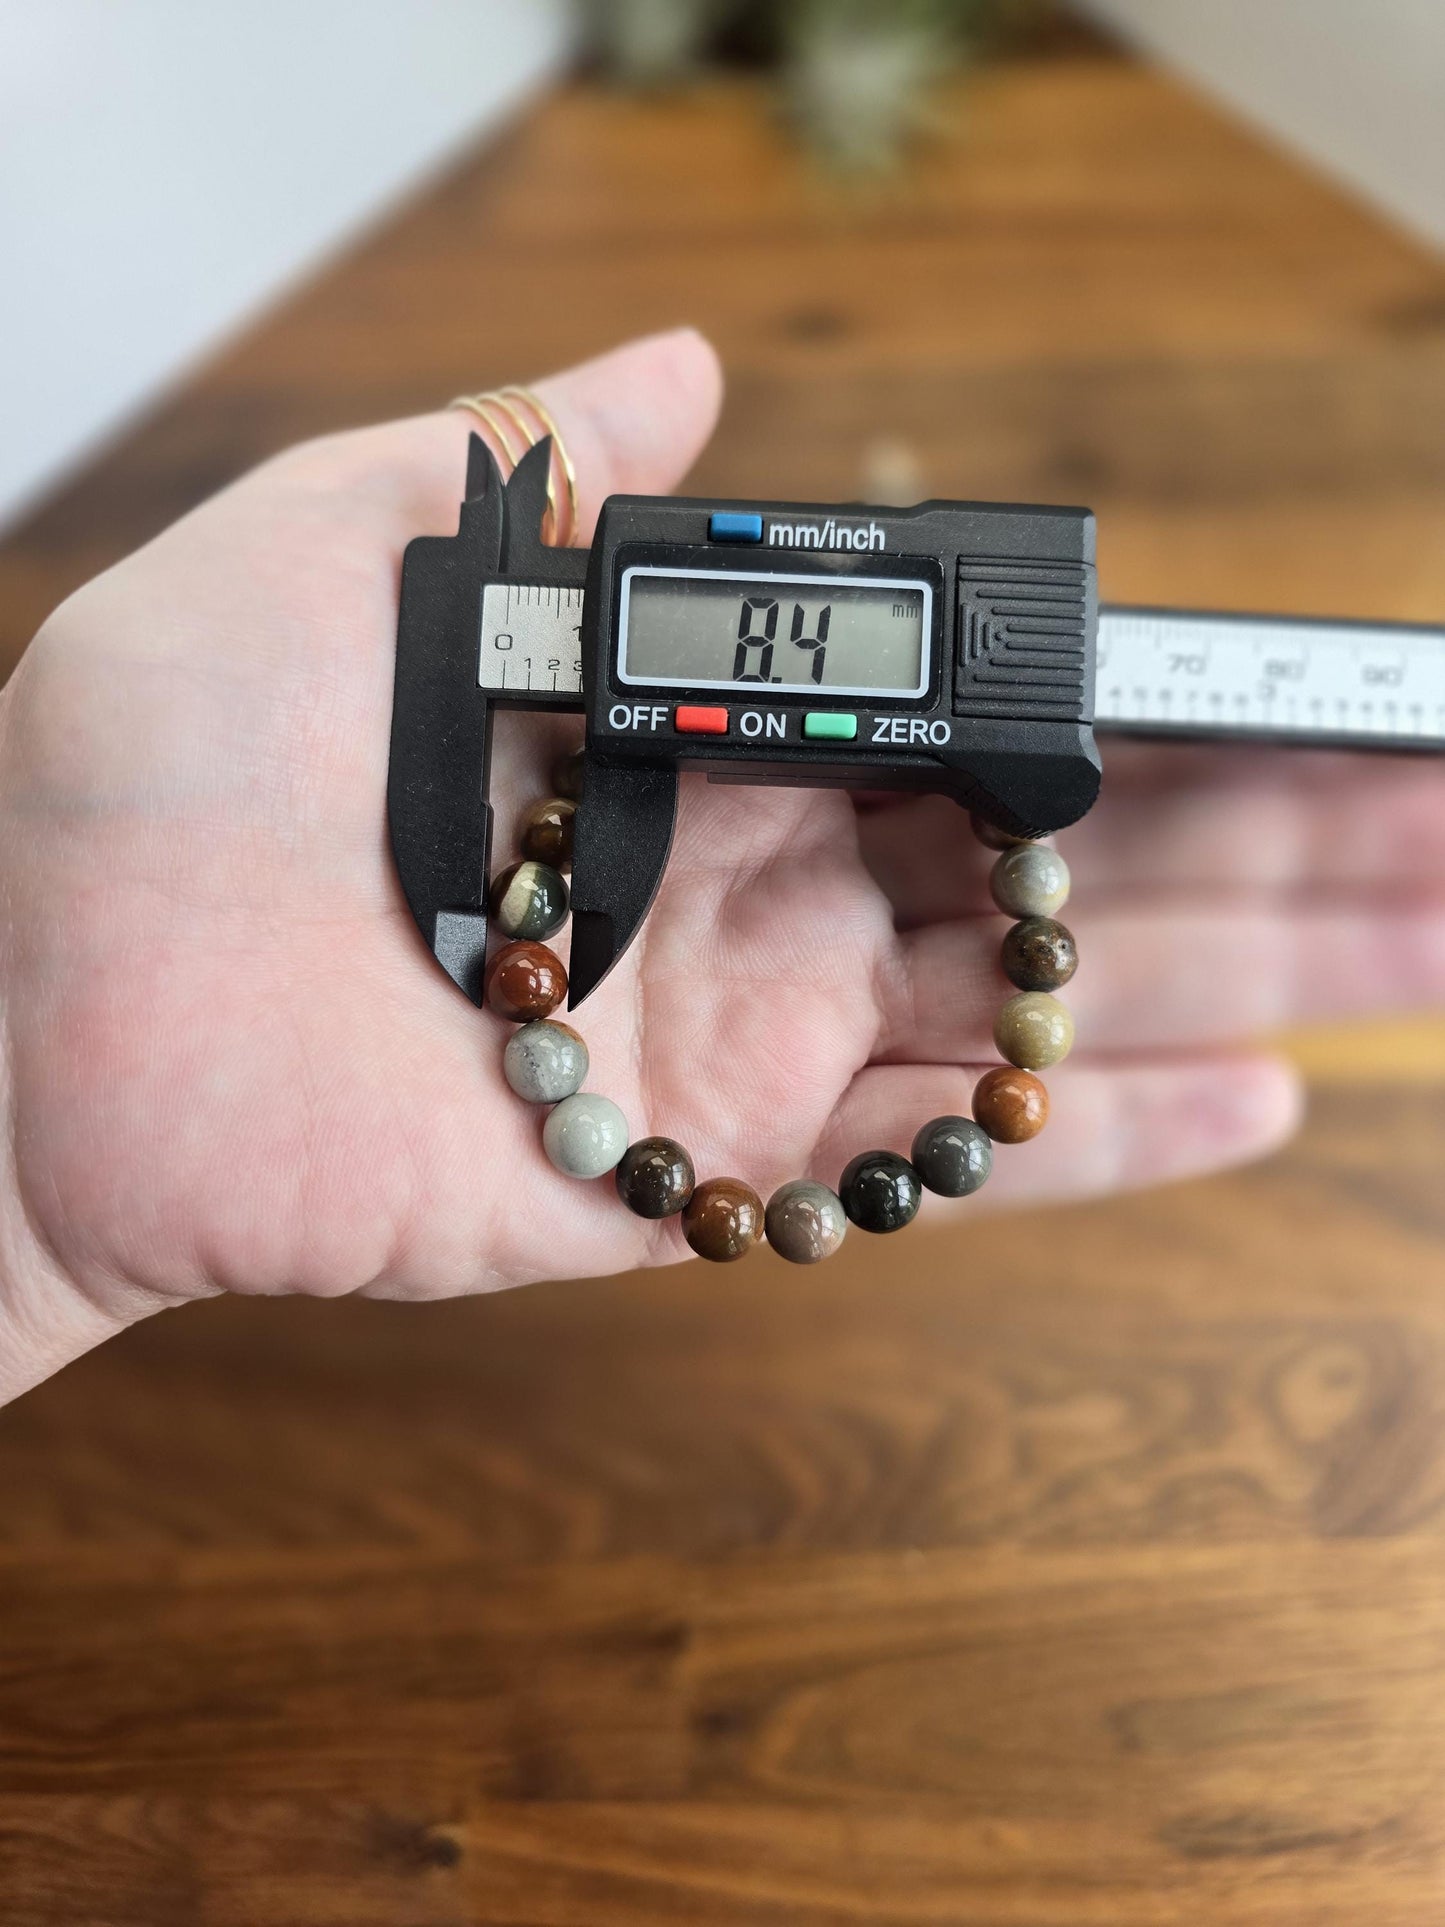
x: 954, y: 647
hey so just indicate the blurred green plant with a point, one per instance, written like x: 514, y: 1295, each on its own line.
x: 855, y: 74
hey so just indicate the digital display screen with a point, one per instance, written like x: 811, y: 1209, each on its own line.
x: 850, y: 635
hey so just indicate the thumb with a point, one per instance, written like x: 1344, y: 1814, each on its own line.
x: 635, y: 420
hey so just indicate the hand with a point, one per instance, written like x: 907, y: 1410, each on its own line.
x: 230, y: 1062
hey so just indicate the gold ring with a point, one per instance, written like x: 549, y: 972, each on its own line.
x: 497, y: 408
x: 539, y: 408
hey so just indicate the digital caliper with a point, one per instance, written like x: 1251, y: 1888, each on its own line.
x: 955, y: 647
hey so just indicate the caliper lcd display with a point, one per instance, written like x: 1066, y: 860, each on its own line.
x: 703, y: 628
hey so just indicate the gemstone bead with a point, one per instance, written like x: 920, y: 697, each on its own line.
x: 805, y: 1222
x: 545, y: 1062
x: 1039, y: 954
x: 1030, y: 881
x: 585, y: 1135
x: 991, y: 837
x: 567, y: 775
x: 952, y: 1156
x: 525, y: 980
x: 547, y: 831
x: 529, y: 900
x: 1034, y: 1030
x: 1011, y: 1105
x: 722, y: 1219
x: 880, y: 1191
x: 655, y: 1177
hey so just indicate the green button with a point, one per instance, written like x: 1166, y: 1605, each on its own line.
x: 830, y: 726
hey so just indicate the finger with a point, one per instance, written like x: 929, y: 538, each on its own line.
x: 1110, y: 1128
x: 1167, y: 978
x: 633, y: 420
x: 1241, y: 821
x: 1273, y: 820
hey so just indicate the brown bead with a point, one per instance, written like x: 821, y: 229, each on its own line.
x: 547, y: 831
x: 567, y: 776
x: 525, y: 980
x: 655, y: 1177
x: 1039, y: 954
x: 1012, y: 1106
x: 723, y: 1219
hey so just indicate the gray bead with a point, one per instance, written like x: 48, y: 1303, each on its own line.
x: 545, y: 1061
x: 805, y: 1222
x: 1030, y: 881
x: 585, y: 1136
x: 953, y: 1156
x: 529, y: 901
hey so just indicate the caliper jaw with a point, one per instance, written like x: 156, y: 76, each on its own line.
x: 621, y: 840
x: 441, y: 727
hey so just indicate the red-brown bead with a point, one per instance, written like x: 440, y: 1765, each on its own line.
x: 723, y: 1219
x: 525, y: 980
x: 1012, y: 1106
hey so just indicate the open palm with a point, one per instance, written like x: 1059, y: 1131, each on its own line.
x: 232, y: 1064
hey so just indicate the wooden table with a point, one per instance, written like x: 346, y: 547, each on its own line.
x: 1090, y: 1569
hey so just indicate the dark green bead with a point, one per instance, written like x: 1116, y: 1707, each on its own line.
x: 952, y: 1156
x: 529, y: 901
x: 1039, y: 954
x: 655, y: 1177
x: 880, y: 1191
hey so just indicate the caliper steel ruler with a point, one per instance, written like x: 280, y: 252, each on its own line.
x: 955, y: 646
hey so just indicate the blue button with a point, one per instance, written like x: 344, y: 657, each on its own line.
x: 734, y: 525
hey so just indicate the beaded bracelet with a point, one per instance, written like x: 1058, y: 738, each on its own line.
x: 586, y: 1135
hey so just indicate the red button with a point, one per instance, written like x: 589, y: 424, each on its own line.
x: 693, y: 720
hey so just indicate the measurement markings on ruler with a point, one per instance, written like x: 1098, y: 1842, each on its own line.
x: 1166, y: 671
x: 1219, y: 675
x: 530, y: 638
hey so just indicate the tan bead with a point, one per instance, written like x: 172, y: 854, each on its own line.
x: 1012, y: 1106
x: 1030, y: 881
x: 547, y: 831
x: 1034, y: 1030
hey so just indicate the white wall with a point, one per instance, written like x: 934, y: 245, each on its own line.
x: 1356, y: 85
x: 167, y: 165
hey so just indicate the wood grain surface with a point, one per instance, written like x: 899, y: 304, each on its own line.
x: 1088, y: 1570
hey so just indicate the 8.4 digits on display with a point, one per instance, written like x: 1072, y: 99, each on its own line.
x: 758, y: 629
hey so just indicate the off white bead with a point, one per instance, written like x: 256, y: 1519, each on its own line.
x: 585, y: 1135
x: 1030, y: 881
